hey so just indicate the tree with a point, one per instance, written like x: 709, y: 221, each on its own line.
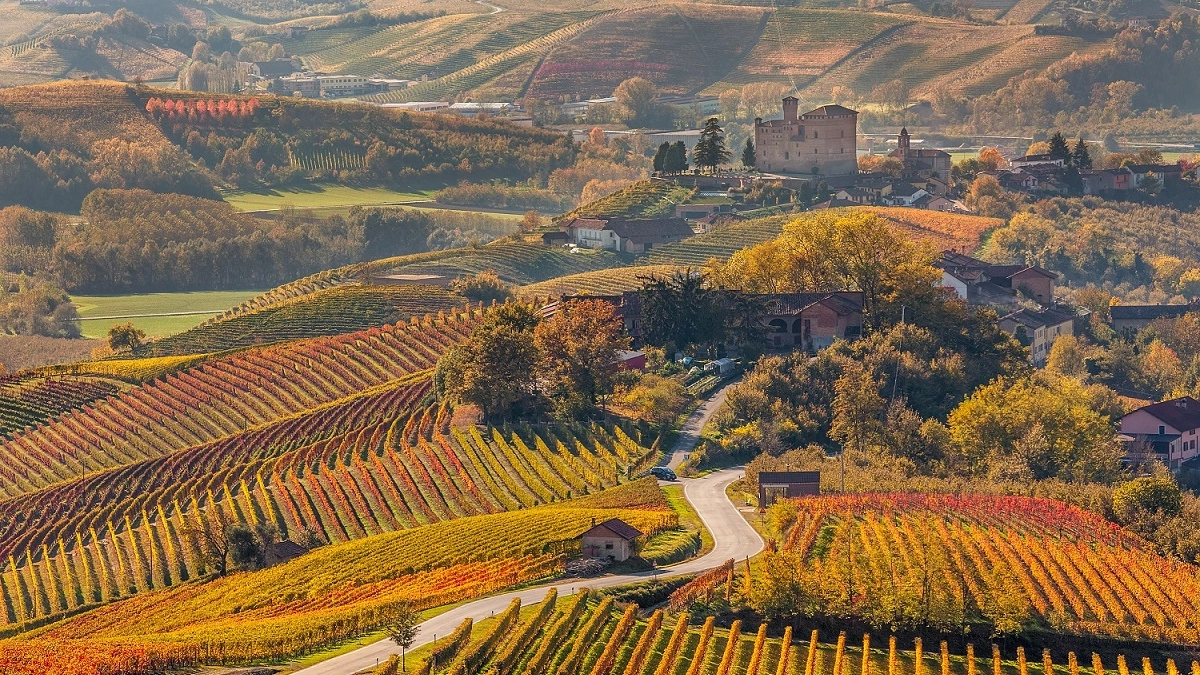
x: 1058, y: 148
x: 210, y: 535
x: 486, y: 286
x: 245, y: 549
x: 657, y: 400
x: 1080, y: 156
x: 1155, y: 494
x: 991, y: 159
x: 493, y: 369
x: 676, y: 159
x: 531, y: 221
x: 679, y: 311
x: 126, y: 336
x: 401, y: 621
x: 731, y: 102
x: 637, y: 101
x: 749, y: 158
x: 660, y: 157
x: 710, y: 151
x: 577, y: 351
x: 857, y: 408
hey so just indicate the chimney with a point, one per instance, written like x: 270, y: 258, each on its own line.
x: 790, y: 109
x: 593, y: 521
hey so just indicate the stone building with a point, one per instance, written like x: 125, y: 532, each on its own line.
x: 921, y: 162
x: 819, y: 142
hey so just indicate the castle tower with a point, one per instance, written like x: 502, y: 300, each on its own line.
x: 791, y: 109
x: 903, y: 144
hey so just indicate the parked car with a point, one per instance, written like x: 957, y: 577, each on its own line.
x: 663, y: 473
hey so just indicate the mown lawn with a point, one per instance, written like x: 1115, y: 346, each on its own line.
x: 141, y: 308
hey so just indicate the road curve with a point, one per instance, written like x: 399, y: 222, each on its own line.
x: 689, y: 435
x: 732, y: 538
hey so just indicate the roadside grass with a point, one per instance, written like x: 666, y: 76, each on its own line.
x: 139, y: 305
x: 688, y: 518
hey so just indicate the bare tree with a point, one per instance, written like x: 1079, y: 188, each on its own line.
x: 210, y: 535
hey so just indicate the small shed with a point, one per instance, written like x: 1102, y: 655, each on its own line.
x: 611, y: 539
x: 631, y: 360
x: 774, y: 485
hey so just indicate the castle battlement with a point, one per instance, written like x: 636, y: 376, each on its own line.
x: 821, y: 141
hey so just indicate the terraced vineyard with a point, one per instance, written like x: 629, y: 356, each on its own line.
x: 221, y: 397
x: 944, y: 230
x: 341, y: 309
x: 643, y: 199
x: 603, y: 282
x: 720, y: 244
x: 29, y: 400
x: 799, y: 44
x: 520, y: 263
x: 490, y: 67
x: 1070, y: 569
x: 339, y: 591
x: 363, y: 466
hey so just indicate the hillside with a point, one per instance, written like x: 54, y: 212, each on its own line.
x: 338, y: 591
x: 1026, y: 561
x: 111, y: 135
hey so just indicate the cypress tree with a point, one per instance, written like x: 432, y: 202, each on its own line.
x: 660, y: 157
x: 748, y: 156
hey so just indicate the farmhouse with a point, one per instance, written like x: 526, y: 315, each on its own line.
x: 812, y: 321
x: 982, y: 283
x: 773, y: 485
x: 628, y: 236
x: 1038, y: 330
x: 613, y: 539
x: 1165, y: 431
x: 822, y: 141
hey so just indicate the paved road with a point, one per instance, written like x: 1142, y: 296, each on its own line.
x: 689, y: 435
x: 732, y: 537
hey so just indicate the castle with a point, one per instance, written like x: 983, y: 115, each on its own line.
x: 821, y: 141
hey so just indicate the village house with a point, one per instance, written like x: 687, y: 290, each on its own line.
x: 1165, y: 431
x: 613, y: 539
x: 626, y: 236
x: 1128, y: 320
x: 1038, y: 330
x: 1033, y: 160
x: 822, y: 141
x: 904, y: 194
x: 983, y: 283
x: 812, y: 321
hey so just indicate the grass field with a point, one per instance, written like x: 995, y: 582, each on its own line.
x: 323, y: 196
x: 141, y: 306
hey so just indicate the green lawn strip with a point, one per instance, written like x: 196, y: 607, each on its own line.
x: 688, y: 518
x: 142, y: 305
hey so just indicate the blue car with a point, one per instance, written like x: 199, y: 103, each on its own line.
x: 663, y: 473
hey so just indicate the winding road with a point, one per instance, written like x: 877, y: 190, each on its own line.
x: 732, y: 538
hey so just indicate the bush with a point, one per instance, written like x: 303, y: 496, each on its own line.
x: 1152, y: 494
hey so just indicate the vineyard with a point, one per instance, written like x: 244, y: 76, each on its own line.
x: 602, y: 282
x: 1036, y: 561
x: 720, y: 244
x: 644, y: 199
x: 27, y: 401
x: 220, y: 397
x: 340, y: 591
x: 342, y: 309
x: 944, y: 230
x: 363, y: 466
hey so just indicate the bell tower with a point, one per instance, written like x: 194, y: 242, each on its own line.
x: 903, y: 143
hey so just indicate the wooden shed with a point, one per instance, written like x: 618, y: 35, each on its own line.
x: 774, y: 485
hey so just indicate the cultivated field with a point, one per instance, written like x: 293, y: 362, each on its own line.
x: 943, y: 230
x: 602, y: 282
x: 150, y: 311
x: 719, y: 244
x: 323, y: 197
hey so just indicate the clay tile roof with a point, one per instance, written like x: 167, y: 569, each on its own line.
x: 618, y: 527
x: 1181, y: 413
x: 831, y: 109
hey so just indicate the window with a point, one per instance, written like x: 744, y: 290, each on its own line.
x: 1161, y: 430
x: 815, y: 134
x: 608, y: 546
x: 786, y: 155
x: 843, y: 133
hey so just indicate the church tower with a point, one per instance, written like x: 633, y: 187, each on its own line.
x: 903, y: 144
